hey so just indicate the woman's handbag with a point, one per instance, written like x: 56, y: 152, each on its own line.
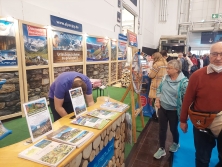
x: 201, y: 120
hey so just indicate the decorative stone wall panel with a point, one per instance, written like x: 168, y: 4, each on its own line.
x: 9, y: 94
x: 121, y: 66
x: 37, y: 83
x: 98, y: 71
x: 59, y: 70
x: 113, y: 72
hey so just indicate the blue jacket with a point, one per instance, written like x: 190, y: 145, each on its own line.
x: 183, y: 82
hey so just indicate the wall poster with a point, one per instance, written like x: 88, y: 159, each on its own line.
x: 97, y: 49
x: 122, y: 47
x: 8, y: 56
x: 35, y: 44
x: 67, y: 47
x: 113, y: 50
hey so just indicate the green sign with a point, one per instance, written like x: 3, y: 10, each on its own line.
x: 216, y: 16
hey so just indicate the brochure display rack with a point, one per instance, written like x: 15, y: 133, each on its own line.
x: 136, y: 83
x: 104, y: 148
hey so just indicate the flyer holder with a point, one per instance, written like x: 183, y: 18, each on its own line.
x: 135, y: 84
x: 78, y: 101
x: 38, y: 119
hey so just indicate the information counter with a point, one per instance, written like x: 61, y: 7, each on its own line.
x: 107, y: 145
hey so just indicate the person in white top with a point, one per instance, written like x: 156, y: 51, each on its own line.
x: 201, y: 61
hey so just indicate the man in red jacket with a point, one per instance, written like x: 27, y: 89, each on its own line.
x: 205, y: 91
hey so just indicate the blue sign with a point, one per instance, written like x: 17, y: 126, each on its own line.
x: 67, y: 24
x: 102, y: 159
x: 122, y: 37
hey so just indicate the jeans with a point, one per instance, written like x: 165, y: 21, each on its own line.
x: 66, y: 105
x: 204, y: 144
x: 166, y: 116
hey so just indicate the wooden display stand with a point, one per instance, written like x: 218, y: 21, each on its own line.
x: 135, y: 112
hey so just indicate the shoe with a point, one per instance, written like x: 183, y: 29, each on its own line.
x: 174, y: 147
x: 160, y: 153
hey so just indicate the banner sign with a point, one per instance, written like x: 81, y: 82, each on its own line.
x: 67, y: 47
x: 36, y: 31
x: 122, y: 47
x: 113, y: 50
x: 102, y: 159
x: 132, y: 39
x: 67, y: 24
x: 211, y: 37
x: 35, y: 45
x: 8, y: 55
x: 122, y: 37
x: 97, y: 49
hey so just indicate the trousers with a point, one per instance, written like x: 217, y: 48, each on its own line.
x: 204, y: 144
x: 166, y: 116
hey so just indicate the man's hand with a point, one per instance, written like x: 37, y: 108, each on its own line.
x: 184, y: 127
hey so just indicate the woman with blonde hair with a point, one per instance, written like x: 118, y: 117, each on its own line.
x: 156, y: 74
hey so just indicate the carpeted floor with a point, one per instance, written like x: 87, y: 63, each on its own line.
x: 185, y: 156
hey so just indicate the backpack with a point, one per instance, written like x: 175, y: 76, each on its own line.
x: 185, y: 65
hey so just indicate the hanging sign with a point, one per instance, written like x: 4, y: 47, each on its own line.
x: 122, y: 37
x: 132, y: 39
x: 67, y: 24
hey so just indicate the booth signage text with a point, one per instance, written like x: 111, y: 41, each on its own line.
x: 67, y: 24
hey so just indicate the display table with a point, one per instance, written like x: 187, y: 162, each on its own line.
x: 81, y: 156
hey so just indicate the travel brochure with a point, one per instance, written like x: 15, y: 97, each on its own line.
x: 103, y: 114
x: 78, y: 101
x: 92, y: 122
x: 69, y: 135
x: 114, y: 106
x: 38, y: 118
x: 47, y: 152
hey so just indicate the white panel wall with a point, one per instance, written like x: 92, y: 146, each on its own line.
x: 170, y: 26
x: 148, y: 20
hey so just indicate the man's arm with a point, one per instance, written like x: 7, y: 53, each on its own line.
x: 58, y: 106
x: 89, y: 100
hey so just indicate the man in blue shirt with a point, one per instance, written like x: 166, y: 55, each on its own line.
x: 59, y: 98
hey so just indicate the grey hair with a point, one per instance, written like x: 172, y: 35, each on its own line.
x: 176, y: 64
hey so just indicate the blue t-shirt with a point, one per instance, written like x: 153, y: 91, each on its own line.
x: 63, y: 83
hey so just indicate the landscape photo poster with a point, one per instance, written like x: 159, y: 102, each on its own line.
x: 8, y: 55
x: 122, y: 48
x: 67, y: 48
x: 113, y: 50
x: 97, y: 49
x: 35, y: 45
x: 38, y: 118
x: 78, y: 101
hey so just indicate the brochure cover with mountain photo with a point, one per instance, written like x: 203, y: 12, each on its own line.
x: 78, y: 101
x: 92, y: 122
x: 114, y: 106
x: 47, y: 152
x: 8, y: 54
x: 104, y: 114
x: 38, y: 118
x: 69, y: 135
x: 35, y: 45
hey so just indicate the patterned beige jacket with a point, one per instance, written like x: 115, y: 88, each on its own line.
x: 156, y: 74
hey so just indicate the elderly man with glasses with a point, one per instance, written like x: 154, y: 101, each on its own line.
x: 204, y: 92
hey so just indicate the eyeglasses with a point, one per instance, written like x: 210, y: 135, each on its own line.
x: 215, y: 54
